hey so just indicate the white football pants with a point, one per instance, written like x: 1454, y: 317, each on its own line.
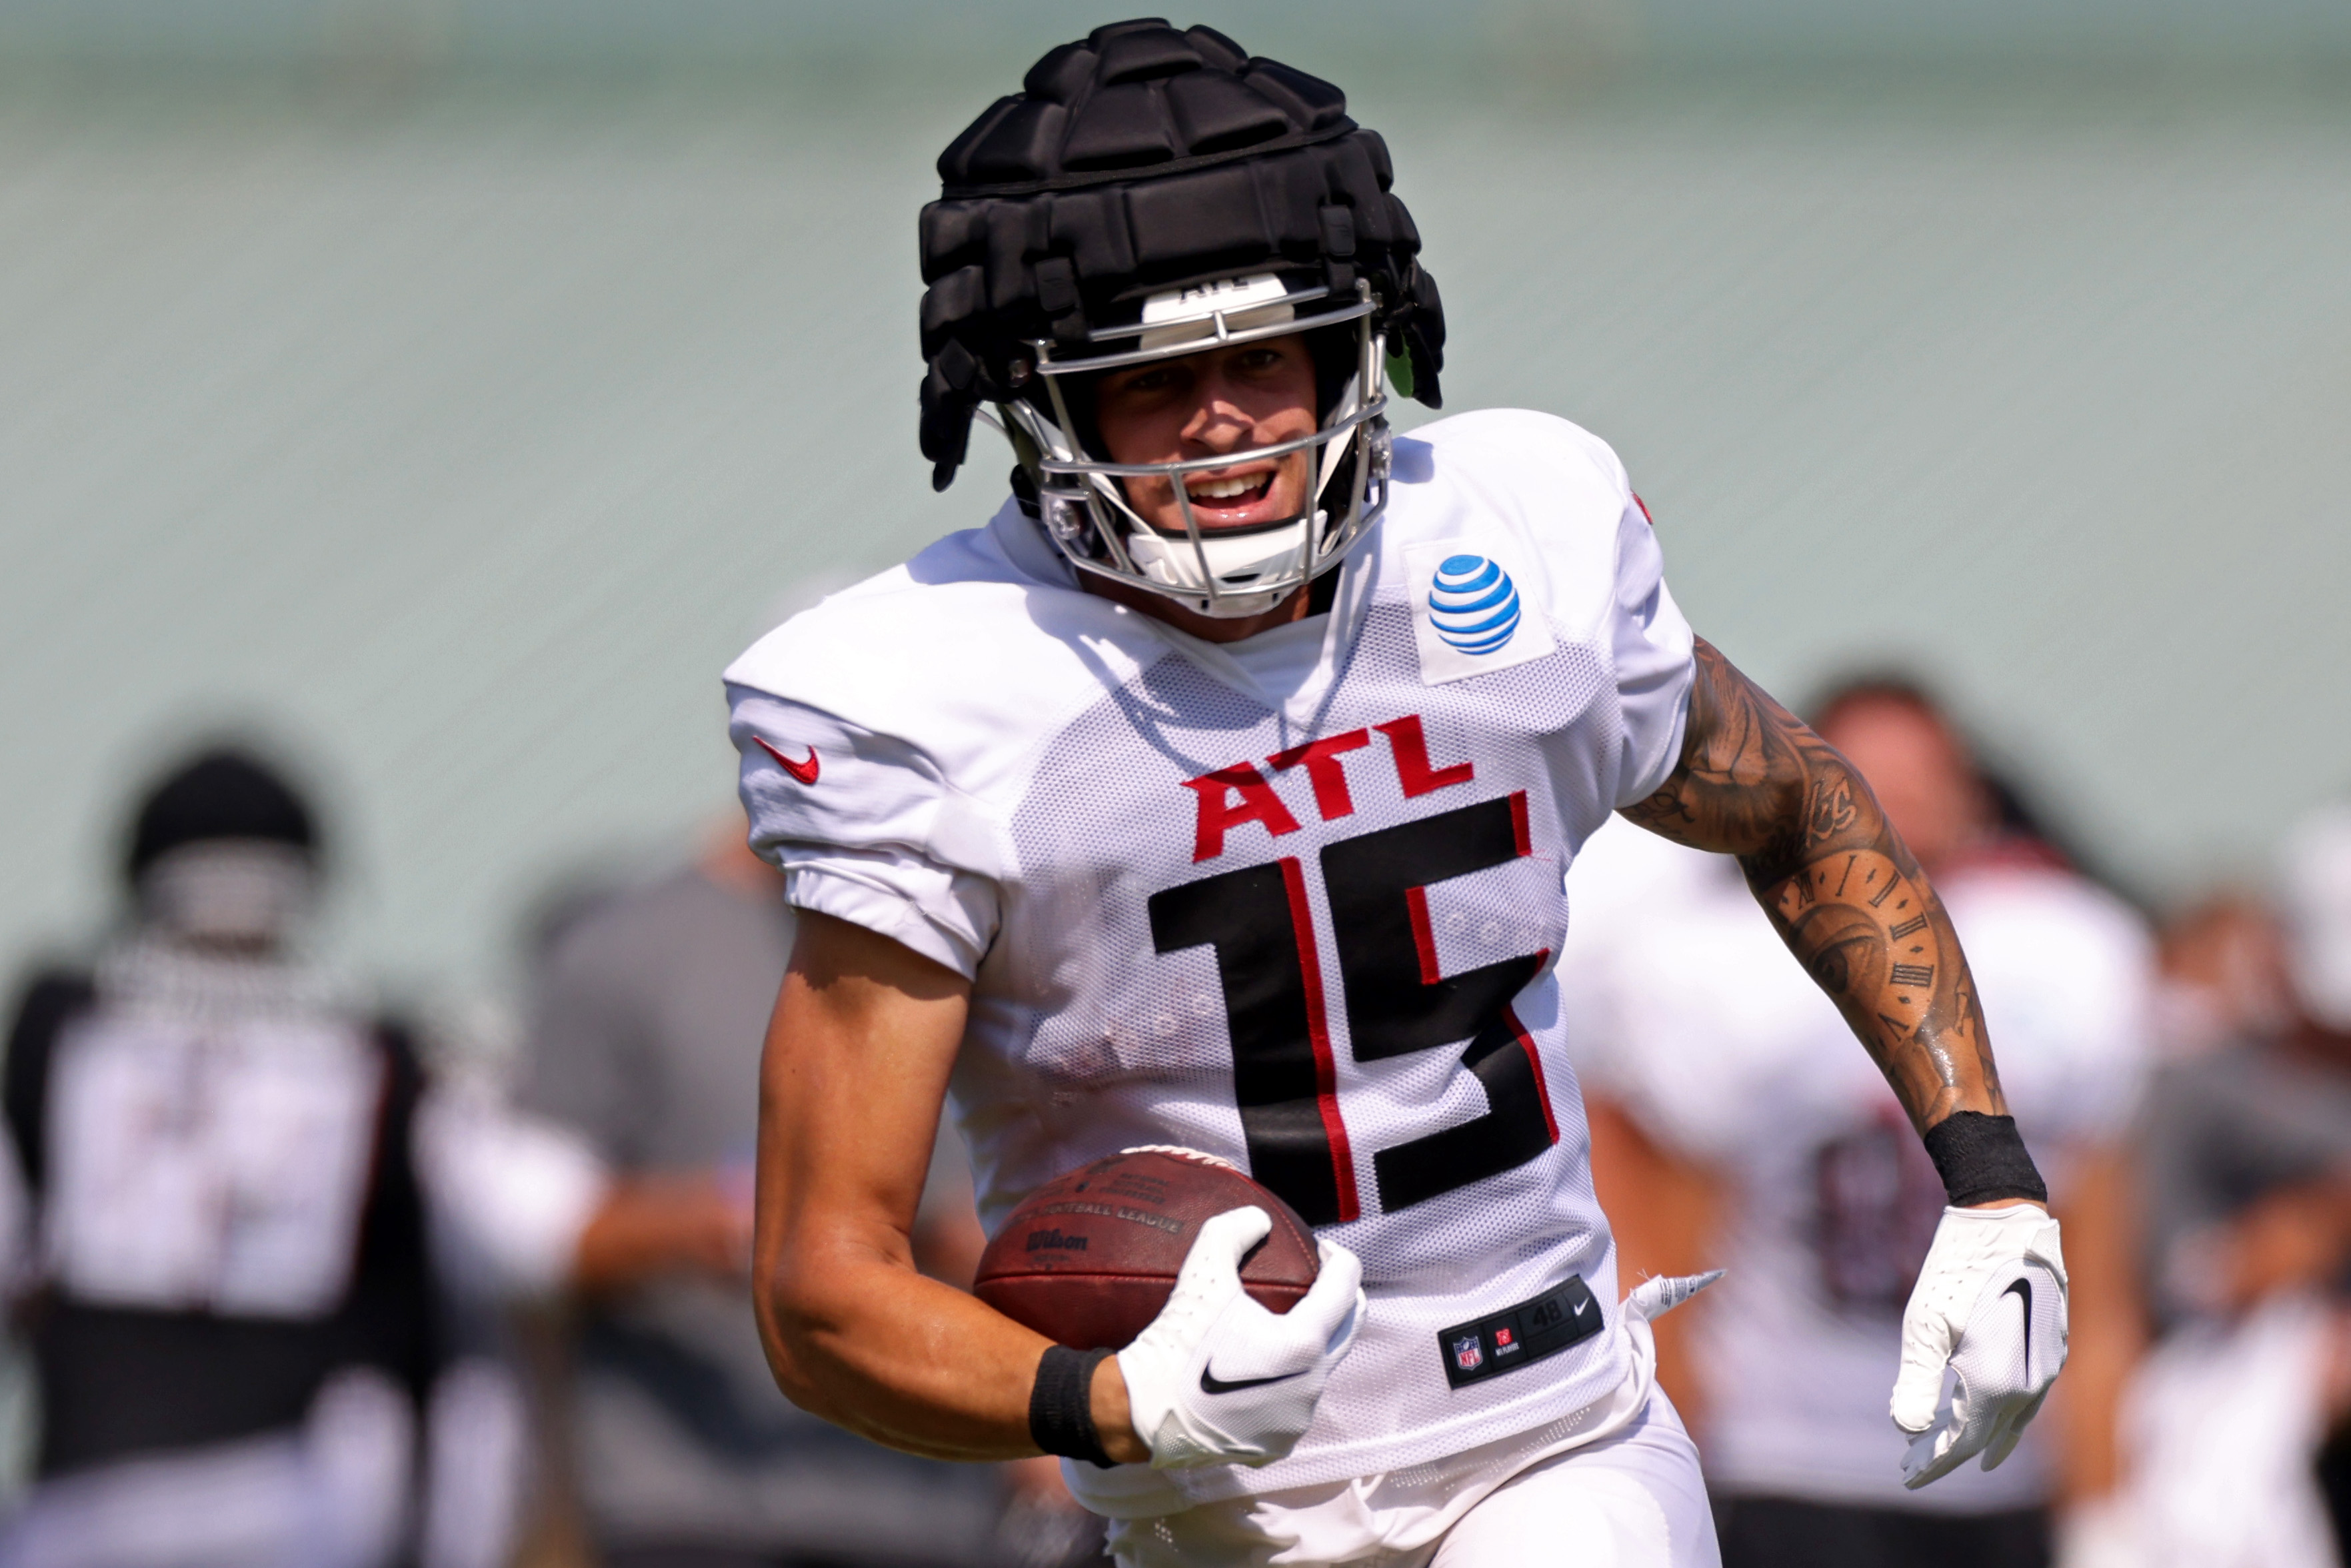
x: 1635, y: 1500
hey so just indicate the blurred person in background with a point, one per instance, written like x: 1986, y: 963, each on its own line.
x: 2270, y: 1105
x: 2222, y: 975
x: 256, y: 1249
x: 217, y: 1237
x: 1727, y: 1131
x: 2248, y: 1231
x: 652, y: 1004
x: 2225, y: 1429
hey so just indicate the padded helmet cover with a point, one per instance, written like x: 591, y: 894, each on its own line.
x: 1144, y: 159
x: 221, y: 794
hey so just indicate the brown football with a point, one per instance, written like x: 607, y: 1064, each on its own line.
x: 1089, y: 1259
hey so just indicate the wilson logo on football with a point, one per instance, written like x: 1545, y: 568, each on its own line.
x: 1473, y: 605
x: 1055, y: 1242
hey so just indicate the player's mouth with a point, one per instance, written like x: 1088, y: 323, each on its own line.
x: 1228, y: 498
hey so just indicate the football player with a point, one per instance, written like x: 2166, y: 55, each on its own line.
x: 1726, y: 1125
x: 219, y: 1172
x: 1218, y: 792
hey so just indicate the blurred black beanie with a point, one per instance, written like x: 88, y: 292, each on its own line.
x: 221, y: 794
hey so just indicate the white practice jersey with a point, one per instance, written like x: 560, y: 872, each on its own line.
x: 1292, y: 902
x: 1689, y: 1010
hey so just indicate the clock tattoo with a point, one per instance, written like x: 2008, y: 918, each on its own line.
x: 1838, y: 884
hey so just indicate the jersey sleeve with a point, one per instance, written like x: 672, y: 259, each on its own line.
x: 1654, y: 656
x: 866, y: 828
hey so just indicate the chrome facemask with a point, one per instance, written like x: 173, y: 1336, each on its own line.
x: 1229, y: 574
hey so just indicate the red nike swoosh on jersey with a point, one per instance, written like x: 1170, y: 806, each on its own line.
x: 805, y: 771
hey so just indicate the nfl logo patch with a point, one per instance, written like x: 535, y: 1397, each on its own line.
x: 1467, y: 1354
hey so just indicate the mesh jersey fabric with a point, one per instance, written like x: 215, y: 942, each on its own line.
x: 1689, y: 1010
x: 1332, y: 966
x: 1282, y: 658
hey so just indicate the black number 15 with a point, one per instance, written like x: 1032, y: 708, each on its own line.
x: 1284, y: 1075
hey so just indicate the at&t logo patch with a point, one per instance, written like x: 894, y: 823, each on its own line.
x: 1470, y: 612
x: 1473, y: 605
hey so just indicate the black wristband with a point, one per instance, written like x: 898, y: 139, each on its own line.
x: 1062, y: 1405
x: 1982, y: 1158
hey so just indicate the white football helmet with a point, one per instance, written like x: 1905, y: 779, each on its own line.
x: 1225, y: 573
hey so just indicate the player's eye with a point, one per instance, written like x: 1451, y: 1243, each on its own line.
x: 1151, y: 379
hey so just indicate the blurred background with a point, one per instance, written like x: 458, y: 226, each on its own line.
x: 455, y: 385
x: 444, y: 391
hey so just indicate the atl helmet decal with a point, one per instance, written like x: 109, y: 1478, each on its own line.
x: 1473, y: 605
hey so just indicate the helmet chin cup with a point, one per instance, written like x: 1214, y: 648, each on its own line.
x: 1083, y: 505
x: 1234, y: 563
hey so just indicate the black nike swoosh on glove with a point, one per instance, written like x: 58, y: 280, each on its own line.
x: 1212, y: 1384
x: 2024, y: 1289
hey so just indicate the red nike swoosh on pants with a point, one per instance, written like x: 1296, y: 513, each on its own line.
x: 805, y: 771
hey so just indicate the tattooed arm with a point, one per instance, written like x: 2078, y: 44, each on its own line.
x: 1850, y: 903
x: 1836, y: 881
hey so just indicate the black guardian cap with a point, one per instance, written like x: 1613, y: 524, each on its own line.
x: 223, y: 793
x: 1140, y: 160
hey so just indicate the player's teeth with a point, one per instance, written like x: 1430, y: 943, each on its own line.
x: 1220, y: 488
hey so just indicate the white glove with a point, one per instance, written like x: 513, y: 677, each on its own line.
x: 1217, y: 1378
x: 1989, y: 1305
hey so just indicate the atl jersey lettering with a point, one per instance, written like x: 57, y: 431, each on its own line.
x: 1292, y: 902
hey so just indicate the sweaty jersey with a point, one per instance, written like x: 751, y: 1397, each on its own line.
x: 1689, y: 1010
x: 1292, y: 902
